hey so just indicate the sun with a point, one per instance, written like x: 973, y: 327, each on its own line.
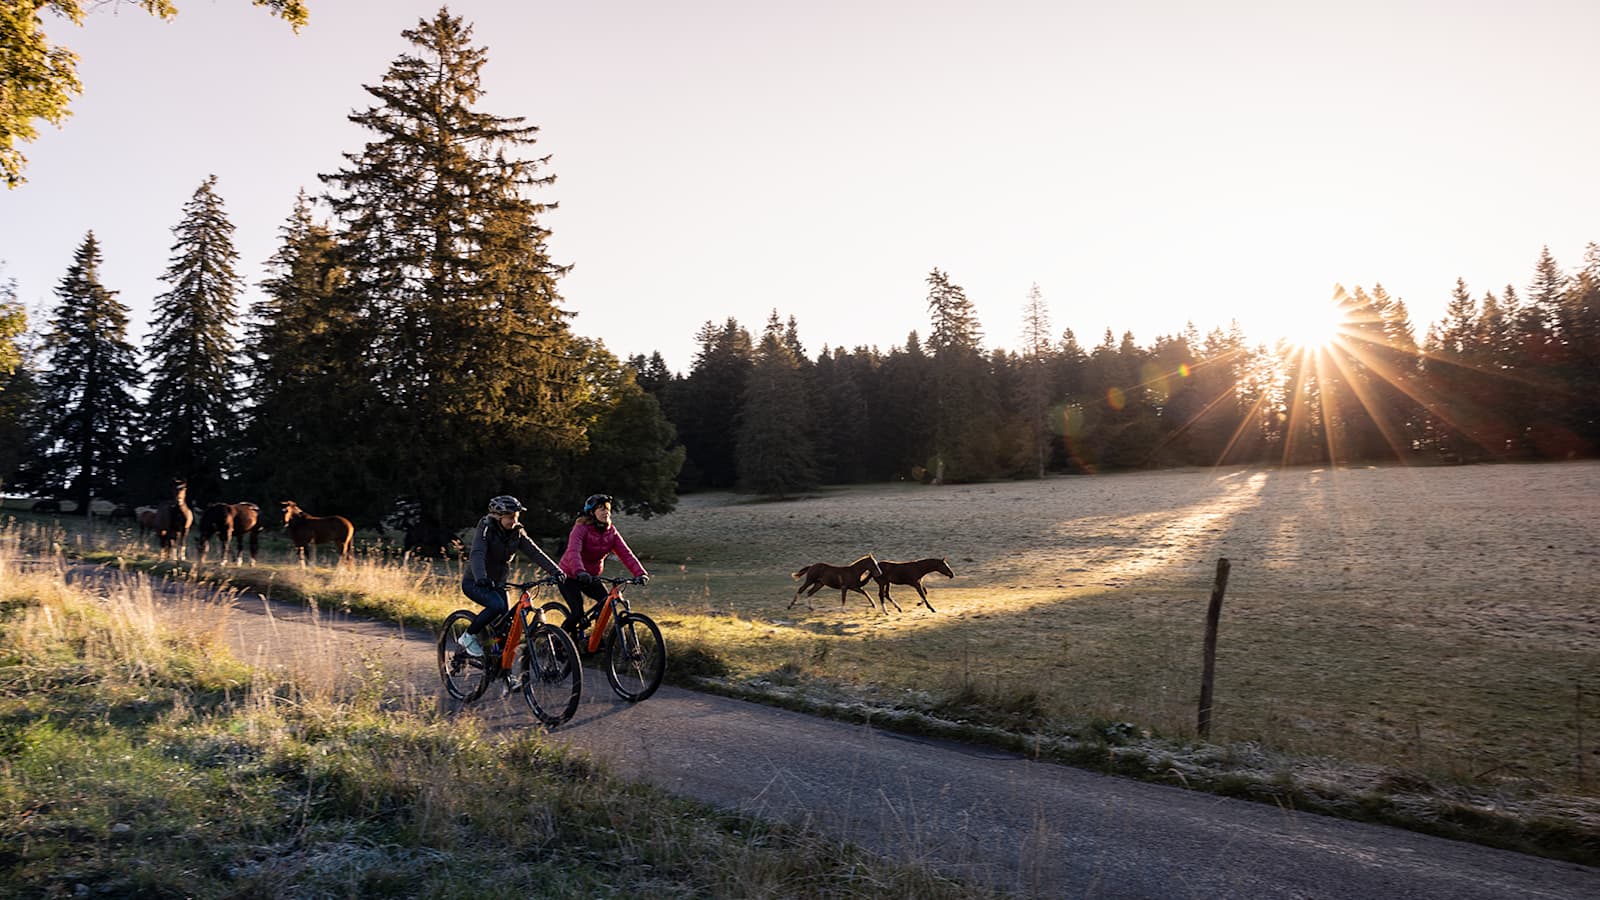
x: 1313, y: 326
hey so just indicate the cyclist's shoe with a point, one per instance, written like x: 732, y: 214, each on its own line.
x: 470, y: 644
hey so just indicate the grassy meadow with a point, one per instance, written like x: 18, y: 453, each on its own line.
x: 145, y: 761
x: 1429, y: 637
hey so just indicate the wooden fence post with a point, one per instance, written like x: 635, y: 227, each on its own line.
x: 1213, y: 614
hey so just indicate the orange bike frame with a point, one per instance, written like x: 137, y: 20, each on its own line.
x: 508, y: 653
x: 604, y: 618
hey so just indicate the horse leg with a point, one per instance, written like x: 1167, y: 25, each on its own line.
x: 870, y: 605
x: 797, y: 595
x: 923, y: 591
x: 884, y: 598
x: 255, y: 541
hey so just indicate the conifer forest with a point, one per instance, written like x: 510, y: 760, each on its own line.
x: 411, y: 349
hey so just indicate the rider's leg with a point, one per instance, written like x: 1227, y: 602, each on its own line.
x: 493, y: 601
x: 572, y: 594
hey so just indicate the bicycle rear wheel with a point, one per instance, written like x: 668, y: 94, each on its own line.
x: 465, y: 676
x: 637, y: 657
x: 552, y: 677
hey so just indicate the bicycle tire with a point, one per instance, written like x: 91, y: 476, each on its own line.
x: 551, y: 673
x: 636, y: 659
x: 465, y: 676
x: 556, y: 613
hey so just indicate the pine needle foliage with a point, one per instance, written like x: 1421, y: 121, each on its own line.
x: 477, y: 382
x: 191, y: 418
x: 88, y: 384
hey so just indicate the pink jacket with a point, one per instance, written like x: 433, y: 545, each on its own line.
x: 587, y: 547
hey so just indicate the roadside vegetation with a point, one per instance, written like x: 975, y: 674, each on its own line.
x: 138, y: 760
x: 1456, y: 707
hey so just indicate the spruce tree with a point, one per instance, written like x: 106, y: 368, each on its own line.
x: 311, y: 392
x: 776, y: 455
x: 1037, y: 362
x: 191, y: 422
x: 707, y: 402
x: 475, y: 370
x: 965, y: 422
x: 87, y: 385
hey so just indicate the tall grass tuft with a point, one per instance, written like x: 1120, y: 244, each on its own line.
x: 141, y: 759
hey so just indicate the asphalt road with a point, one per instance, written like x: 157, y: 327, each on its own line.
x: 1035, y: 829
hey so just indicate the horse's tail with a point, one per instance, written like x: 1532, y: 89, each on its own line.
x: 801, y: 572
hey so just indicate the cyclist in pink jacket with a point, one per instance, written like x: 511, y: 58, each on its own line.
x: 593, y: 538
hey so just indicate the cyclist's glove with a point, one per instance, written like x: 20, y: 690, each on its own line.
x: 643, y: 578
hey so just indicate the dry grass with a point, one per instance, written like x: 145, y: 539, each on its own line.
x: 1427, y: 637
x: 1439, y: 619
x: 141, y: 760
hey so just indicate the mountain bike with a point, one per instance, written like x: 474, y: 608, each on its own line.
x: 520, y: 646
x: 633, y: 655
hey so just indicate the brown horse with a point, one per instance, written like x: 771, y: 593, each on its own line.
x: 909, y: 573
x: 173, y: 518
x: 229, y: 521
x: 304, y: 529
x: 146, y: 517
x: 846, y: 578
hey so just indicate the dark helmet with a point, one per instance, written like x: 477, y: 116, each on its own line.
x: 595, y: 501
x: 505, y: 503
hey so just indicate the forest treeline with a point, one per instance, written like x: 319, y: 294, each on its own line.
x: 1501, y: 377
x: 413, y: 351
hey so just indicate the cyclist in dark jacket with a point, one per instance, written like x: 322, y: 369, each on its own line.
x: 497, y: 536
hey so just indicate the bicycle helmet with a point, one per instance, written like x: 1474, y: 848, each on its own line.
x: 505, y: 503
x: 595, y: 501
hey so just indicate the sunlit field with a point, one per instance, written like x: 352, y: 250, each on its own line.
x: 1442, y: 620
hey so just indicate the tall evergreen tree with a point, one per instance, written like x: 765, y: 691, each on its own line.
x: 190, y: 418
x: 707, y: 402
x: 475, y: 363
x: 1037, y: 362
x: 903, y: 436
x: 775, y: 453
x: 311, y: 386
x: 88, y: 384
x: 965, y: 446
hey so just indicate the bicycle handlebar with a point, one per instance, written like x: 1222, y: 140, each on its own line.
x: 529, y: 585
x: 603, y: 579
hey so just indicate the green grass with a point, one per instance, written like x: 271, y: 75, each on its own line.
x: 142, y: 762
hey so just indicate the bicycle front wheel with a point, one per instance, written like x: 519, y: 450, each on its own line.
x: 636, y: 659
x: 464, y: 675
x: 552, y: 678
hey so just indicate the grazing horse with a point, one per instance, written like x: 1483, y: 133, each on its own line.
x: 229, y: 521
x: 846, y: 578
x: 173, y: 518
x: 909, y: 573
x: 304, y: 529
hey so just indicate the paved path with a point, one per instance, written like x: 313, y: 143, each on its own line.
x: 1031, y: 828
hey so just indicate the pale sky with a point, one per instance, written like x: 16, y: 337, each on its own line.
x: 1145, y: 163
